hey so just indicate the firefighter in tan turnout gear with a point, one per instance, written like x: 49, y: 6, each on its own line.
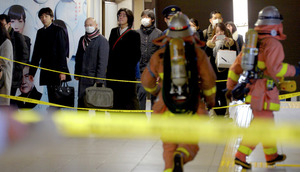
x: 178, y: 67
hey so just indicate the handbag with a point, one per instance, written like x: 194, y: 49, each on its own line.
x: 98, y: 97
x: 225, y: 58
x: 64, y: 94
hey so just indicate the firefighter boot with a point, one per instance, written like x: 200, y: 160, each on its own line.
x: 178, y: 162
x: 240, y: 159
x: 245, y: 165
x: 279, y: 158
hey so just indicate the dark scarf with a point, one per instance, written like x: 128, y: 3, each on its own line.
x: 147, y: 30
x: 88, y: 37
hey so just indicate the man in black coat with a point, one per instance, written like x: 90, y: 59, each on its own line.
x: 91, y: 58
x: 20, y: 50
x: 50, y: 52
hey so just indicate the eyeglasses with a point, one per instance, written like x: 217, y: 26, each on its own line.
x: 122, y: 15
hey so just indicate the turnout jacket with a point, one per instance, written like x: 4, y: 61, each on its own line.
x: 270, y: 60
x: 154, y: 72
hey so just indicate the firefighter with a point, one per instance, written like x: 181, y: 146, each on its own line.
x: 263, y: 92
x: 179, y: 64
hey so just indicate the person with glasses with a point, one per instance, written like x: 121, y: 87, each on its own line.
x: 125, y: 52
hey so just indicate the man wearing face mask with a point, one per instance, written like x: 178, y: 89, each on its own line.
x: 91, y: 58
x: 215, y: 17
x: 148, y: 32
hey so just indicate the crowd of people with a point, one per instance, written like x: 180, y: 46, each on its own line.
x: 123, y: 57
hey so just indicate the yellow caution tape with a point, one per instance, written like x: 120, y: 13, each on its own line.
x: 290, y: 95
x: 179, y: 128
x: 221, y: 80
x: 82, y: 76
x: 27, y: 116
x: 76, y: 75
x: 29, y: 100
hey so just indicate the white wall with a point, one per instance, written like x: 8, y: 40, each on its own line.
x: 94, y: 9
x: 125, y: 4
x: 111, y: 10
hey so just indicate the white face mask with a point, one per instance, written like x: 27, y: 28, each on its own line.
x: 146, y: 22
x: 194, y: 29
x: 216, y: 21
x: 90, y: 29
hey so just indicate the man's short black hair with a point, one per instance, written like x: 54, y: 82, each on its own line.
x: 5, y: 17
x: 129, y: 15
x: 46, y: 11
x: 214, y: 12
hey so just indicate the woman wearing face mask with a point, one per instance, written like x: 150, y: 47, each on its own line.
x: 124, y: 54
x: 148, y: 32
x: 221, y: 39
x: 195, y: 27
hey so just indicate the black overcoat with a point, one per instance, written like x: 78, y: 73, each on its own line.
x: 50, y: 52
x: 91, y: 62
x: 123, y: 58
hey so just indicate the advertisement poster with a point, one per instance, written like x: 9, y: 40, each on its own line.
x: 71, y: 12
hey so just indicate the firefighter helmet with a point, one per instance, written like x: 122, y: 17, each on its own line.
x: 179, y: 26
x: 269, y: 16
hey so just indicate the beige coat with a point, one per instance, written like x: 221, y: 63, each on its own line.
x: 6, y: 50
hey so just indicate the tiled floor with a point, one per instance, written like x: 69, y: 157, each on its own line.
x: 44, y: 150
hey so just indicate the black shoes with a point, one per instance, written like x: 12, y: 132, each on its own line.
x: 245, y: 165
x: 279, y: 158
x: 178, y: 162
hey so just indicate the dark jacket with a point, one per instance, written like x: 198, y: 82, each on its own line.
x: 21, y: 54
x: 147, y: 47
x: 125, y: 55
x: 91, y: 62
x: 50, y: 52
x: 122, y: 63
x: 200, y: 32
x: 239, y: 41
x: 28, y: 43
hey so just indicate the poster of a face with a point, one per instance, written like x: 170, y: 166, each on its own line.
x: 25, y: 20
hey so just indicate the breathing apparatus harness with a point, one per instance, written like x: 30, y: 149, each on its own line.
x: 180, y: 83
x: 253, y: 72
